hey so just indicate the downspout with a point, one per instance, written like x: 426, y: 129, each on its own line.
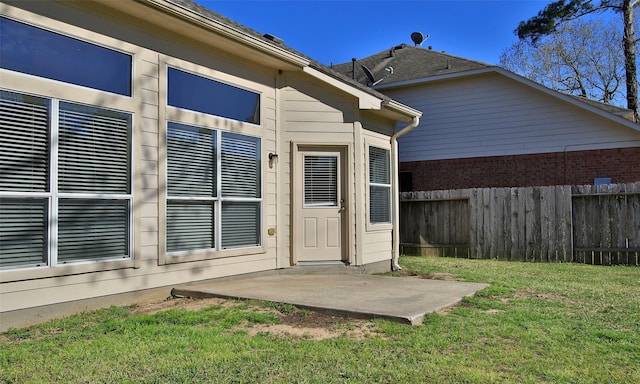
x: 395, y: 186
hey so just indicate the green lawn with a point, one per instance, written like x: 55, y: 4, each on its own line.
x: 536, y: 323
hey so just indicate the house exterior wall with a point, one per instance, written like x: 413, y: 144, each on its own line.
x: 313, y: 114
x: 294, y: 109
x: 491, y: 115
x: 376, y: 238
x: 152, y: 51
x: 490, y: 130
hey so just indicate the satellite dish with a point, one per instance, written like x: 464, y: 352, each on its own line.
x: 372, y: 80
x: 369, y: 74
x: 417, y: 38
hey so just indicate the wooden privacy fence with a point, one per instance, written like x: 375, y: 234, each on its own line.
x: 586, y: 224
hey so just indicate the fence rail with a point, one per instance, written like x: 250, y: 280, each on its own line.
x: 585, y: 224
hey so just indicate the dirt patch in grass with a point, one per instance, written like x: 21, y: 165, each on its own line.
x: 293, y: 322
x: 431, y: 276
x: 151, y: 307
x: 313, y: 325
x: 532, y: 294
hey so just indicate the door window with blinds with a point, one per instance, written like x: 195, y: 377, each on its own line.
x: 379, y: 186
x: 214, y: 191
x: 320, y: 181
x: 65, y: 182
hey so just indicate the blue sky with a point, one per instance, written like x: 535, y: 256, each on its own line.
x: 333, y: 31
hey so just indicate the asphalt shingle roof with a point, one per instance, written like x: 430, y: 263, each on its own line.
x: 408, y: 63
x: 414, y: 63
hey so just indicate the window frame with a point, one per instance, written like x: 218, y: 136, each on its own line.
x: 371, y: 226
x: 47, y: 88
x: 219, y: 82
x: 170, y: 114
x: 53, y: 267
x: 81, y: 35
x: 217, y: 201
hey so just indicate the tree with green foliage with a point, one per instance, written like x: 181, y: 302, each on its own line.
x: 561, y: 11
x: 582, y: 58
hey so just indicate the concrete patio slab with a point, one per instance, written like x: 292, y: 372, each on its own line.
x: 402, y: 299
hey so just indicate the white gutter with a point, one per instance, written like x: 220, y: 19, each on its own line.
x: 395, y: 190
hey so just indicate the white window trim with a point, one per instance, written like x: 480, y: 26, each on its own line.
x: 372, y: 227
x: 53, y: 268
x: 217, y: 251
x: 53, y: 89
x: 168, y: 114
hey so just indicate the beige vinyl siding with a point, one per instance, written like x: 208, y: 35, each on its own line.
x: 27, y: 294
x: 376, y: 244
x: 146, y: 161
x: 150, y: 46
x: 492, y: 115
x: 312, y: 114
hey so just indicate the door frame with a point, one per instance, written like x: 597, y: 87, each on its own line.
x: 297, y: 195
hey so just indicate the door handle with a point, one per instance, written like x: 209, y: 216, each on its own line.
x: 342, y: 207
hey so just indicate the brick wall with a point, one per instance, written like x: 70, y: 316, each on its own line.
x: 622, y: 165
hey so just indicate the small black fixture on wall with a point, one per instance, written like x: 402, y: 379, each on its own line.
x: 273, y: 159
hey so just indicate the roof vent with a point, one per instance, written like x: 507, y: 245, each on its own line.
x: 273, y: 38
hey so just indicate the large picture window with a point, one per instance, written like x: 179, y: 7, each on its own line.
x: 65, y: 182
x: 214, y: 192
x: 379, y: 186
x: 35, y: 51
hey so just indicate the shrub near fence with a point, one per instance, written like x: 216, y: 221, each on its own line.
x: 586, y: 224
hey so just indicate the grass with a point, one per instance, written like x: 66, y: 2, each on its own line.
x: 536, y: 323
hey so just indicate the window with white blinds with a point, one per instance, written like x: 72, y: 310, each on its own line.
x: 240, y: 224
x: 65, y: 182
x: 92, y: 229
x: 214, y: 190
x: 240, y: 166
x: 24, y: 143
x: 94, y: 145
x: 379, y: 186
x: 320, y: 181
x: 23, y: 232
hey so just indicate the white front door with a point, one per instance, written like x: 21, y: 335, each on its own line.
x: 319, y: 235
